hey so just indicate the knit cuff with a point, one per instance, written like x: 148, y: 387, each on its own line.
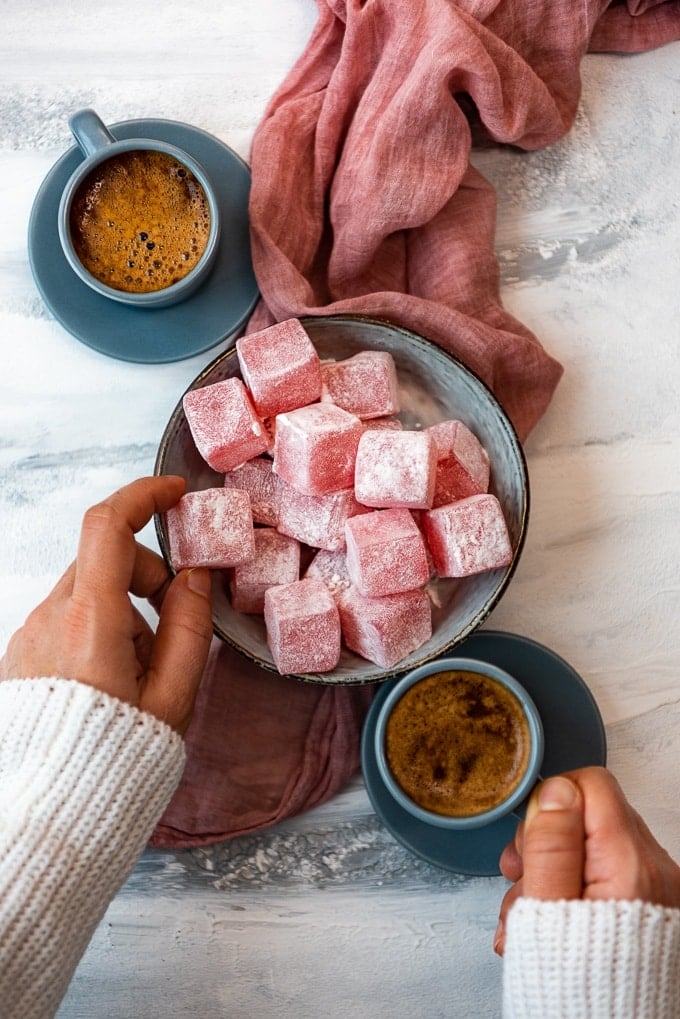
x: 602, y: 959
x: 84, y: 778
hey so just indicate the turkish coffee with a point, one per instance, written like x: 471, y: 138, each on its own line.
x: 140, y: 221
x: 458, y: 743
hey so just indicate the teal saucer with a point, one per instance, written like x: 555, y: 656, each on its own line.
x: 216, y: 312
x: 574, y: 738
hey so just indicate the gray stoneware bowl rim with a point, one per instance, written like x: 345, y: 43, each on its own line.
x: 380, y: 675
x: 530, y: 777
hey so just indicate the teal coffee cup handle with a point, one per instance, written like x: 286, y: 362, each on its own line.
x: 90, y: 131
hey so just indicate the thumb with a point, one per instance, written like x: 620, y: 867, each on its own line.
x: 183, y: 639
x: 553, y: 850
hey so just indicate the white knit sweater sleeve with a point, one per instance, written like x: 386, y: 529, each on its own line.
x: 83, y: 780
x: 591, y: 960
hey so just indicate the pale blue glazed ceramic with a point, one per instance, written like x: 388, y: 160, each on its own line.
x: 215, y: 313
x: 574, y: 738
x: 433, y: 386
x: 528, y: 780
x: 98, y: 145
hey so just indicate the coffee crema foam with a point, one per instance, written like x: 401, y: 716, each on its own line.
x: 458, y: 743
x: 140, y: 221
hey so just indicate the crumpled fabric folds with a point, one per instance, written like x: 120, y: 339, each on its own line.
x: 260, y: 748
x: 364, y: 201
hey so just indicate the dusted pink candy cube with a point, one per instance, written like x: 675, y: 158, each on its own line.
x: 331, y: 568
x: 387, y: 424
x: 211, y: 528
x: 316, y: 447
x: 280, y: 367
x: 396, y: 469
x: 365, y: 384
x: 386, y: 553
x: 257, y: 479
x: 303, y: 627
x: 385, y: 630
x: 317, y: 520
x: 418, y: 520
x: 462, y: 463
x: 276, y: 561
x: 225, y: 427
x: 468, y: 536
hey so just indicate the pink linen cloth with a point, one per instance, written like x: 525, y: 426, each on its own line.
x: 363, y: 200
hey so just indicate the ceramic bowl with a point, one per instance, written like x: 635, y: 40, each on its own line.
x: 433, y: 386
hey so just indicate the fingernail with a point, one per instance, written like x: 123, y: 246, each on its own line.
x: 498, y: 936
x: 557, y: 794
x: 198, y: 581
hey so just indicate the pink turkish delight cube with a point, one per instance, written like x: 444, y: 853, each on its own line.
x: 365, y: 384
x: 387, y: 424
x: 386, y: 553
x: 316, y: 447
x: 462, y: 463
x: 331, y: 568
x: 276, y: 561
x: 317, y: 520
x: 280, y: 367
x: 213, y: 528
x: 385, y: 630
x: 468, y: 536
x: 396, y: 469
x: 224, y: 424
x: 257, y: 479
x: 303, y: 627
x: 418, y: 520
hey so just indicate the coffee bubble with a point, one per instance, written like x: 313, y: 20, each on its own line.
x: 133, y: 204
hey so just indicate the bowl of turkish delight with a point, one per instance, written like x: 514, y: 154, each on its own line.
x: 358, y: 493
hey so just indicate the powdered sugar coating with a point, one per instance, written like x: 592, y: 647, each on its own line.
x: 331, y: 569
x: 212, y: 528
x: 317, y: 520
x: 468, y: 536
x: 385, y: 630
x: 303, y: 627
x: 386, y: 553
x: 224, y: 424
x: 276, y: 561
x: 462, y: 463
x: 280, y: 367
x: 396, y: 468
x: 388, y: 424
x: 316, y: 447
x: 257, y: 479
x: 365, y: 384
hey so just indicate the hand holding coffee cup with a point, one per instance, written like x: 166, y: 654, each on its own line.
x: 139, y: 221
x: 459, y: 743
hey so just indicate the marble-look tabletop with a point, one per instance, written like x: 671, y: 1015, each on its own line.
x: 327, y: 914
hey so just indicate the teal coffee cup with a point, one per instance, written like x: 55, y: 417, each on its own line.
x: 459, y: 743
x: 138, y: 219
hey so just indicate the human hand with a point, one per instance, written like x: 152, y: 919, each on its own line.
x: 581, y: 839
x: 88, y: 628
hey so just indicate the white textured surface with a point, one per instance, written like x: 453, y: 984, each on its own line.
x: 327, y: 913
